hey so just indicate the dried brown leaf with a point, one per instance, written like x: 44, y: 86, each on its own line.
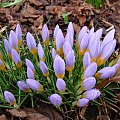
x: 3, y: 117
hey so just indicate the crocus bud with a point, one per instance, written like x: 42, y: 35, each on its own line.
x: 53, y: 53
x: 82, y: 32
x: 2, y: 66
x: 106, y: 52
x: 86, y: 60
x: 44, y: 69
x: 8, y: 47
x: 89, y: 83
x: 99, y: 33
x: 70, y: 61
x: 34, y: 85
x: 66, y: 48
x: 16, y: 58
x: 109, y: 37
x: 41, y: 52
x: 92, y: 94
x: 61, y: 85
x: 59, y: 42
x: 31, y: 43
x: 23, y: 86
x: 9, y: 97
x: 59, y: 66
x: 69, y: 37
x: 30, y: 73
x: 55, y: 99
x: 70, y: 28
x: 82, y: 102
x: 106, y: 72
x: 30, y: 65
x: 45, y: 34
x: 18, y: 33
x: 13, y: 40
x: 90, y: 70
x: 91, y: 31
x: 56, y: 31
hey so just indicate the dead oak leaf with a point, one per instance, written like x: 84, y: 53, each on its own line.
x: 3, y: 117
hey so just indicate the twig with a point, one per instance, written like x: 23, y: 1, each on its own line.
x: 104, y: 82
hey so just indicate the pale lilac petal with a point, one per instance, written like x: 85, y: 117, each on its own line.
x: 30, y: 73
x: 69, y: 37
x: 83, y: 102
x: 45, y: 33
x: 18, y: 32
x: 40, y: 51
x: 56, y: 31
x: 29, y: 64
x: 70, y: 28
x: 53, y: 53
x: 43, y: 67
x: 7, y: 46
x: 91, y: 32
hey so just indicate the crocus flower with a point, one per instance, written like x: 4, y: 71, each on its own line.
x: 70, y: 28
x: 34, y: 85
x: 8, y: 47
x: 82, y: 32
x: 55, y: 99
x: 106, y: 72
x: 90, y: 70
x: 91, y: 31
x: 2, y: 66
x: 61, y: 85
x: 30, y: 73
x: 9, y: 97
x: 16, y: 58
x: 53, y: 53
x: 45, y: 34
x: 106, y: 52
x: 44, y: 69
x: 69, y: 37
x: 56, y: 31
x: 13, y: 40
x: 66, y: 48
x: 59, y: 66
x: 86, y: 60
x: 82, y: 102
x: 98, y: 33
x: 31, y: 43
x: 92, y: 94
x: 59, y: 42
x: 30, y: 65
x: 18, y: 33
x: 89, y: 83
x: 70, y: 60
x: 109, y: 37
x: 23, y: 86
x: 41, y: 52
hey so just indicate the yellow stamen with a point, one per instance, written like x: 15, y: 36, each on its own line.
x: 33, y: 51
x: 41, y: 88
x: 60, y: 52
x: 46, y: 74
x: 69, y: 68
x: 19, y: 65
x: 60, y: 75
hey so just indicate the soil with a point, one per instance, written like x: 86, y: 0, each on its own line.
x: 31, y: 15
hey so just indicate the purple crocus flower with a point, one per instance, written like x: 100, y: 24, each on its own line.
x: 31, y: 43
x: 106, y: 72
x: 53, y: 53
x: 86, y: 60
x: 44, y: 69
x: 8, y: 47
x: 106, y: 52
x: 18, y: 33
x: 13, y: 40
x: 16, y: 58
x: 70, y: 60
x: 9, y: 97
x: 2, y: 66
x: 55, y: 99
x: 90, y: 70
x: 70, y: 28
x: 23, y: 86
x: 30, y: 73
x: 82, y: 102
x: 109, y: 37
x: 59, y: 66
x: 92, y: 94
x: 34, y: 85
x: 82, y: 32
x: 56, y: 31
x: 61, y: 85
x: 98, y: 33
x: 66, y: 48
x: 59, y: 41
x: 45, y: 34
x: 30, y: 65
x: 41, y: 52
x: 69, y: 37
x: 91, y: 31
x: 89, y: 83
